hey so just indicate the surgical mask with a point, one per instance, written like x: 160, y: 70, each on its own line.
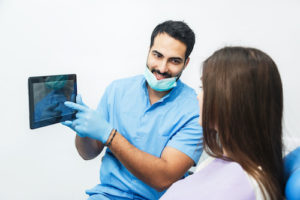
x: 159, y: 85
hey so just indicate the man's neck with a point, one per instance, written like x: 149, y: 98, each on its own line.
x: 155, y: 96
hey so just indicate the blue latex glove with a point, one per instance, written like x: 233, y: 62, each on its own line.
x: 88, y: 123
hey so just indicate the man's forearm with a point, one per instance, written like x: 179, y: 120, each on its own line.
x: 87, y: 147
x: 150, y: 169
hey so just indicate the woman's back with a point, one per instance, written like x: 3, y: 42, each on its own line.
x: 217, y: 179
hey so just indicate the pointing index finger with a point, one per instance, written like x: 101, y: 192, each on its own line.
x: 75, y: 106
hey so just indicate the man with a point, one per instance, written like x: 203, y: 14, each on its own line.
x: 149, y: 123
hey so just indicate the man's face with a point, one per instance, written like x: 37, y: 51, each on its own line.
x: 166, y: 57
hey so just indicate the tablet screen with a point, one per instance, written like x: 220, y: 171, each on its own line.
x: 47, y: 95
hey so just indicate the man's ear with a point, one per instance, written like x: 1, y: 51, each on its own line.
x: 186, y: 62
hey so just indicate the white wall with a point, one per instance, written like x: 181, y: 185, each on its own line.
x: 104, y: 40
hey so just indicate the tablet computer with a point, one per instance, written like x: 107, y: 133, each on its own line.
x: 47, y: 95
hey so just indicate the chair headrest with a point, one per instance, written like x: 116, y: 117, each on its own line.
x: 292, y: 174
x: 291, y: 162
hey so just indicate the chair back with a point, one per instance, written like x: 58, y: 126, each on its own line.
x: 292, y: 175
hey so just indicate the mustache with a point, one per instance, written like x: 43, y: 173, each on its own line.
x: 167, y: 75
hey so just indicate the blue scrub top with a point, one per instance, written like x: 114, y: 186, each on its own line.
x: 172, y: 121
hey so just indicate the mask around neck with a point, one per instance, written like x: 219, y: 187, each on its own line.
x: 159, y: 85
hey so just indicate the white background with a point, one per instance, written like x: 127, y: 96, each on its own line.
x: 102, y: 41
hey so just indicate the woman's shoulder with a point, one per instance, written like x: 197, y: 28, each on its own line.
x: 214, y: 179
x: 257, y: 190
x: 236, y: 170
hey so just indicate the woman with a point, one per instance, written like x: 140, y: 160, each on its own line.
x: 241, y: 113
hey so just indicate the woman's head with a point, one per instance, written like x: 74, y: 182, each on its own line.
x: 242, y: 110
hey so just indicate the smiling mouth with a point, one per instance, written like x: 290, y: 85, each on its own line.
x: 160, y: 76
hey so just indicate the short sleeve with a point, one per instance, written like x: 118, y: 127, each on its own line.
x: 189, y: 139
x: 105, y: 101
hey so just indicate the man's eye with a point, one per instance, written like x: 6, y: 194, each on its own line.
x: 176, y: 61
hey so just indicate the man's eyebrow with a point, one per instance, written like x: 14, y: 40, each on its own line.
x: 157, y: 52
x: 173, y: 58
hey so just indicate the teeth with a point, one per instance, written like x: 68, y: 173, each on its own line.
x: 158, y: 76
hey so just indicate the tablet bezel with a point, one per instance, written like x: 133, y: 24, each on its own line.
x: 53, y: 120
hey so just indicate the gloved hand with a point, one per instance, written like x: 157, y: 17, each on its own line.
x: 88, y: 123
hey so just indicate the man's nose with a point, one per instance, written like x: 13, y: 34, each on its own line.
x: 163, y: 67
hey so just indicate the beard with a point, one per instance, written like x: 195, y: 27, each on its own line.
x: 165, y: 74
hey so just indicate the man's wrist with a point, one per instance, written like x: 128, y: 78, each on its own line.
x: 111, y: 137
x: 104, y: 138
